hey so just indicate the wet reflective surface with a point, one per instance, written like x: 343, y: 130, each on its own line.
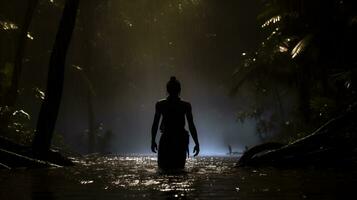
x: 137, y: 177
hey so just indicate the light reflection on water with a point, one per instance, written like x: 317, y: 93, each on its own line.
x: 137, y: 177
x: 141, y: 173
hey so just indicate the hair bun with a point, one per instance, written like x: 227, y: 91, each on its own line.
x: 172, y: 78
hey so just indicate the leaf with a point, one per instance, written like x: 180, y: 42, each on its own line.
x: 301, y: 46
x: 8, y: 26
x: 39, y: 93
x: 21, y: 113
x: 271, y: 21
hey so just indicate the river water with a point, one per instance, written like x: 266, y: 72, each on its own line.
x: 137, y: 177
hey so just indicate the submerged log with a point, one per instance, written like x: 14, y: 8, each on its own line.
x: 334, y: 143
x: 261, y: 148
x: 12, y: 160
x: 14, y: 156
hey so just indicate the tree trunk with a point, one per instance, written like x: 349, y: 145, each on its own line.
x: 20, y: 50
x: 334, y: 143
x: 91, y: 131
x: 88, y: 17
x: 50, y: 106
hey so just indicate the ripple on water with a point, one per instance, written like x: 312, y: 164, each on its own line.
x: 137, y: 177
x: 140, y: 172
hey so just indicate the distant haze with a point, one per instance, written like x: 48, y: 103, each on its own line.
x: 134, y: 48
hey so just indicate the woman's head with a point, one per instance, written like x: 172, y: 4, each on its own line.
x: 173, y: 87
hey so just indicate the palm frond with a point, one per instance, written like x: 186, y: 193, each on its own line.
x: 301, y: 46
x: 271, y: 21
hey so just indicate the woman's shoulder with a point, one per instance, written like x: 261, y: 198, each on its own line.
x: 186, y: 103
x: 182, y: 102
x: 161, y: 101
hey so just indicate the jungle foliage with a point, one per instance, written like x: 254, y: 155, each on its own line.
x: 304, y: 72
x: 26, y: 44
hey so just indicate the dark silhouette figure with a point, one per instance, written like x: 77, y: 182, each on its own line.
x: 229, y: 149
x: 173, y: 145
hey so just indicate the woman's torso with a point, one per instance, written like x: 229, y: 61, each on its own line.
x: 173, y: 112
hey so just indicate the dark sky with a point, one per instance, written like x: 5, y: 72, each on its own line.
x: 129, y: 50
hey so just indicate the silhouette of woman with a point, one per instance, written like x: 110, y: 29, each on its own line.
x: 173, y: 145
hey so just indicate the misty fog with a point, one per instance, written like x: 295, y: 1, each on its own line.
x: 123, y: 53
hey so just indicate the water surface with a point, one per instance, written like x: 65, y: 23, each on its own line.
x: 137, y: 177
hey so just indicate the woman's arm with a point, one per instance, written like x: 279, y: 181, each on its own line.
x: 193, y: 131
x: 155, y: 126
